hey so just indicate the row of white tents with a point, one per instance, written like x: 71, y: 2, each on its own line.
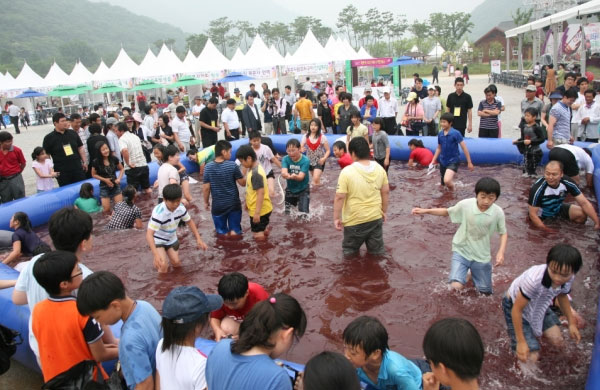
x: 166, y: 63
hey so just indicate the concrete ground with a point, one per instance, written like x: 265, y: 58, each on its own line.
x: 19, y: 377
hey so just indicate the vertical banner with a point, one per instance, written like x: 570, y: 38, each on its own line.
x: 348, y: 76
x: 397, y: 81
x: 496, y: 66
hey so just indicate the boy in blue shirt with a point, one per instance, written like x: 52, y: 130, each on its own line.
x: 447, y: 150
x: 102, y: 296
x: 294, y: 168
x: 366, y: 346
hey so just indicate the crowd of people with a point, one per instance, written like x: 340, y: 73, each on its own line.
x: 253, y: 327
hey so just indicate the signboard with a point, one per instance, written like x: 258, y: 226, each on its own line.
x: 592, y: 37
x: 496, y: 66
x: 348, y: 76
x: 373, y: 62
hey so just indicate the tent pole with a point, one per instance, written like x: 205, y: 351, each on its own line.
x: 582, y: 50
x: 555, y: 48
x: 520, y: 49
x: 508, y: 54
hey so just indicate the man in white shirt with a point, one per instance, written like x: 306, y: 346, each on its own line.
x: 13, y: 112
x: 574, y: 160
x: 181, y: 131
x: 588, y: 118
x: 196, y: 108
x: 431, y: 109
x: 307, y: 85
x: 230, y: 120
x: 173, y: 106
x: 388, y: 110
x: 134, y: 161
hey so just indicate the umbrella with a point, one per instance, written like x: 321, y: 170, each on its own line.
x: 234, y: 77
x: 402, y: 62
x: 66, y: 91
x: 147, y: 85
x: 84, y: 87
x: 30, y: 93
x: 110, y: 88
x: 185, y: 81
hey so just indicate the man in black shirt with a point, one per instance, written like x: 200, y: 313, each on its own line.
x: 419, y: 90
x: 569, y: 83
x: 460, y: 105
x: 209, y: 123
x: 66, y: 149
x: 95, y: 137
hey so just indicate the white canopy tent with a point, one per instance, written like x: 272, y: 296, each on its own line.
x: 56, y: 76
x: 465, y: 47
x: 80, y: 75
x: 310, y: 51
x: 363, y: 54
x: 146, y: 67
x: 190, y: 62
x: 279, y: 60
x: 27, y: 78
x: 123, y: 68
x: 414, y: 49
x: 258, y: 56
x: 8, y: 82
x: 211, y: 59
x: 348, y: 51
x: 437, y: 51
x: 238, y: 61
x: 335, y: 52
x: 102, y: 73
x: 167, y: 62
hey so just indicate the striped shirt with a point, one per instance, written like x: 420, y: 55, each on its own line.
x: 222, y: 178
x: 536, y: 286
x: 164, y: 223
x: 489, y: 122
x: 551, y: 199
x: 562, y: 128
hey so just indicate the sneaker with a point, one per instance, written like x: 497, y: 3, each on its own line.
x: 525, y: 174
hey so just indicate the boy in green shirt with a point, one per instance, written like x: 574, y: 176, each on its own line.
x: 478, y: 217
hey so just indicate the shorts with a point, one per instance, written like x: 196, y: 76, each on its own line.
x: 138, y: 176
x: 550, y: 320
x: 300, y: 199
x: 452, y: 167
x: 381, y: 162
x: 570, y: 167
x: 304, y: 125
x: 563, y: 213
x: 271, y: 174
x: 183, y: 176
x: 481, y: 273
x: 108, y: 192
x: 369, y: 233
x: 174, y: 246
x: 316, y: 166
x: 231, y: 221
x: 261, y: 226
x: 488, y: 133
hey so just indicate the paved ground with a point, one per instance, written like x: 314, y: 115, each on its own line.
x: 19, y: 377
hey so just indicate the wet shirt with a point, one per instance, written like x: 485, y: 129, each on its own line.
x: 256, y: 180
x: 256, y: 293
x: 164, y: 223
x: 124, y: 216
x: 380, y: 144
x: 550, y: 199
x: 106, y: 171
x: 449, y: 143
x: 301, y: 165
x: 29, y: 240
x: 396, y: 372
x: 222, y: 177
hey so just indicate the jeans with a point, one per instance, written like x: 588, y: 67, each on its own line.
x: 300, y: 199
x: 481, y: 272
x: 230, y: 221
x: 15, y: 121
x: 369, y: 233
x: 550, y: 320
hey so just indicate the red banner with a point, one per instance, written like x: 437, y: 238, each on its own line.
x: 374, y: 62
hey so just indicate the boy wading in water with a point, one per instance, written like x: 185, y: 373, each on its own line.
x: 478, y: 217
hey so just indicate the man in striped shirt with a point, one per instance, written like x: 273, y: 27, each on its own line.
x: 559, y: 125
x: 526, y: 304
x: 488, y: 111
x: 548, y: 194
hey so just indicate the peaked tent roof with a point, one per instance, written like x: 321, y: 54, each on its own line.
x: 276, y: 55
x: 211, y: 58
x: 334, y: 51
x: 123, y: 68
x: 310, y: 51
x: 8, y: 82
x: 167, y: 62
x: 27, y: 78
x: 102, y: 73
x: 363, y: 54
x: 238, y: 61
x: 414, y: 49
x: 348, y: 50
x: 190, y: 62
x: 56, y: 76
x: 258, y: 56
x: 147, y: 65
x: 438, y: 50
x: 80, y: 75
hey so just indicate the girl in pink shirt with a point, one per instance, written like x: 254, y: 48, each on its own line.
x: 44, y: 170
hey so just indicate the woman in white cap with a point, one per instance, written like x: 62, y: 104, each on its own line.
x: 179, y: 365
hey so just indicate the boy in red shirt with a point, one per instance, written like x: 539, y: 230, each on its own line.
x: 339, y: 151
x: 239, y: 296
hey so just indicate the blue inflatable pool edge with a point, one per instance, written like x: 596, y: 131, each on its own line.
x: 39, y: 207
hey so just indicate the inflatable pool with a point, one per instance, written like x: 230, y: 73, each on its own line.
x: 40, y: 207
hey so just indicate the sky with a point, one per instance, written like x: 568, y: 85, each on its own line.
x: 196, y: 13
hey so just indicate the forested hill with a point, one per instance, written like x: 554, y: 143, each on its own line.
x: 488, y: 14
x: 40, y: 31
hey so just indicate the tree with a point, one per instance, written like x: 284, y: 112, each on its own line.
x: 219, y: 32
x: 299, y: 27
x: 246, y: 31
x: 265, y: 30
x: 196, y: 42
x: 495, y: 50
x: 347, y: 20
x: 72, y: 51
x: 521, y: 17
x: 282, y: 35
x: 448, y: 29
x: 395, y: 28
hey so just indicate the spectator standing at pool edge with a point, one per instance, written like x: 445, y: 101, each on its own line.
x: 559, y: 124
x: 460, y: 105
x: 67, y: 151
x: 361, y: 201
x: 12, y: 163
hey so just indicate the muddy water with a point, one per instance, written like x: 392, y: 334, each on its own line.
x: 406, y: 288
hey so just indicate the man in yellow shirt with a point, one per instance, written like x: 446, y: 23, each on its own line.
x: 304, y: 109
x: 258, y: 201
x: 361, y: 198
x: 239, y: 107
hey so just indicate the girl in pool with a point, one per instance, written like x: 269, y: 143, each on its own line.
x: 268, y: 331
x: 317, y: 150
x: 24, y: 239
x: 44, y: 170
x: 179, y: 365
x: 184, y: 178
x: 86, y: 200
x: 419, y: 153
x: 104, y: 168
x: 126, y: 215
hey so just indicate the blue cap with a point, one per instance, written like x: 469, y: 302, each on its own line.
x: 557, y: 94
x: 186, y: 304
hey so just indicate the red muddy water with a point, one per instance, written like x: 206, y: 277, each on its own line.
x: 406, y: 288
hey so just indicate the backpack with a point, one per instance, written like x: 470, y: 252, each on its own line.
x: 9, y: 339
x: 288, y: 110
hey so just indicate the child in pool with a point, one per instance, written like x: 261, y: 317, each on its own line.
x: 104, y: 168
x: 295, y: 167
x: 366, y: 346
x: 265, y: 157
x: 447, y: 150
x: 126, y: 214
x: 202, y: 157
x: 24, y: 239
x: 161, y: 235
x: 381, y: 144
x: 167, y: 173
x: 267, y: 332
x: 529, y: 143
x: 455, y: 352
x: 472, y: 251
x: 419, y: 154
x: 44, y: 170
x: 239, y: 297
x: 331, y: 371
x: 86, y: 200
x: 527, y: 302
x: 179, y: 364
x: 184, y: 178
x: 340, y: 151
x: 317, y: 150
